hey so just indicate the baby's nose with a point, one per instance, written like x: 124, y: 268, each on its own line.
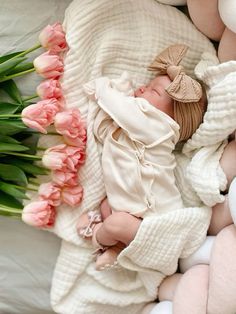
x: 139, y: 91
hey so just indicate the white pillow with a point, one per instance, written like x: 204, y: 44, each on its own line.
x: 227, y: 10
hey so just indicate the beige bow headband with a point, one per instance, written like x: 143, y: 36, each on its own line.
x: 183, y: 88
x: 186, y: 92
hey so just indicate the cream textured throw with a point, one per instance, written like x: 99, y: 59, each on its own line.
x: 105, y: 38
x: 206, y: 146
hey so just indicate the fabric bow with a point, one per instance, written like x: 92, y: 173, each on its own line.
x: 183, y: 88
x: 94, y: 217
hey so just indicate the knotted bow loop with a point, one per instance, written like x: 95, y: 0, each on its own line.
x: 174, y: 70
x: 183, y: 88
x: 170, y: 56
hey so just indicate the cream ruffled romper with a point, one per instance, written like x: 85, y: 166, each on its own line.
x: 137, y: 156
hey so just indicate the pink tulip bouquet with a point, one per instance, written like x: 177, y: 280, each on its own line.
x: 20, y: 119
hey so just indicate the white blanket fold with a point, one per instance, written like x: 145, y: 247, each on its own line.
x: 206, y: 146
x: 105, y: 38
x: 168, y: 236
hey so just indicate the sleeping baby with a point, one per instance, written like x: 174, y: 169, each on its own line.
x: 138, y: 134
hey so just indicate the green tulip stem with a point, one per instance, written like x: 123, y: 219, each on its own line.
x: 30, y: 97
x: 37, y: 132
x: 10, y: 209
x: 22, y: 54
x: 23, y: 155
x: 32, y: 182
x: 53, y: 133
x: 25, y: 188
x: 4, y: 116
x: 9, y: 77
x: 41, y: 148
x: 31, y: 189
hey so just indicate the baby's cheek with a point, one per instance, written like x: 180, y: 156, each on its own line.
x: 137, y: 93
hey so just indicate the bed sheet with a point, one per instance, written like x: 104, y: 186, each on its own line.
x: 27, y: 256
x: 20, y: 23
x: 27, y: 259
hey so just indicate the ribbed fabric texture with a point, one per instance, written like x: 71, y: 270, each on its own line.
x: 219, y: 120
x: 105, y: 38
x: 205, y: 148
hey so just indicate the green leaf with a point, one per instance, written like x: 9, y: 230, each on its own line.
x: 9, y: 147
x: 9, y: 64
x: 12, y: 173
x: 27, y: 166
x: 12, y: 90
x: 21, y: 68
x: 8, y: 108
x: 30, y: 140
x: 9, y: 56
x: 8, y: 139
x: 12, y: 190
x: 10, y: 127
x: 7, y: 200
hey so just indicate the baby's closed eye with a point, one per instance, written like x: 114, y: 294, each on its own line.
x: 155, y: 91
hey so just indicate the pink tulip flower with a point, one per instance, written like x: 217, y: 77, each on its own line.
x: 72, y: 195
x: 65, y: 178
x: 49, y: 89
x: 72, y: 127
x: 76, y: 154
x: 40, y: 115
x: 50, y: 192
x: 39, y: 214
x: 49, y: 65
x: 53, y: 37
x: 63, y: 158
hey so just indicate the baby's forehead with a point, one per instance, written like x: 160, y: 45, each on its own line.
x: 161, y: 81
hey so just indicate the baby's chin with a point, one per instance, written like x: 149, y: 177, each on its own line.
x: 140, y: 95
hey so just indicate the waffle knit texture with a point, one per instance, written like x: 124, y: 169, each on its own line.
x: 206, y: 146
x: 105, y: 38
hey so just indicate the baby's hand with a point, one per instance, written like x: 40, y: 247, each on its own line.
x: 123, y: 84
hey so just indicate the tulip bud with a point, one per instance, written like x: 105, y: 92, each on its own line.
x: 49, y: 89
x: 52, y: 37
x: 49, y: 65
x: 39, y: 214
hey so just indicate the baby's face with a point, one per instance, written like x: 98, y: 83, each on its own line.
x: 156, y: 95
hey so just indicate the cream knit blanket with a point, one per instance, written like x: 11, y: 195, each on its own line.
x: 105, y: 38
x: 204, y: 150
